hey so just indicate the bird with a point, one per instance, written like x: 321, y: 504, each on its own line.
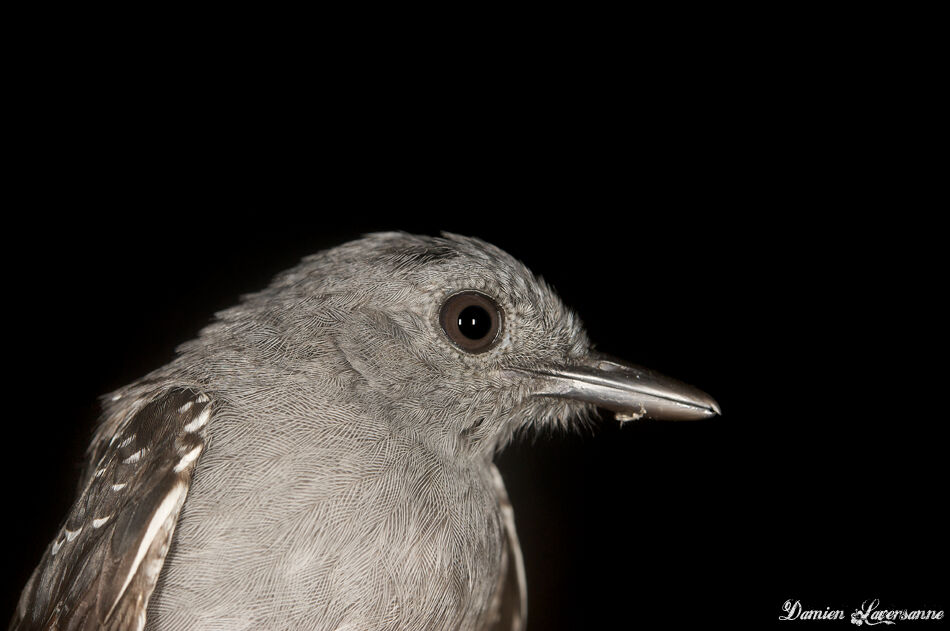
x: 320, y: 456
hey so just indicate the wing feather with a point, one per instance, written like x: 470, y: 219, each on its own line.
x: 101, y: 569
x: 509, y: 608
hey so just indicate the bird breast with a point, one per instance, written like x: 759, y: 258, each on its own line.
x: 353, y: 526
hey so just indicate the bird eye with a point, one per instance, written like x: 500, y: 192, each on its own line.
x: 471, y: 320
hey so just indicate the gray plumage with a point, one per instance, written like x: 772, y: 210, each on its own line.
x: 320, y: 457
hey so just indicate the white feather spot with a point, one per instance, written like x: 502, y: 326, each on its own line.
x: 99, y: 521
x: 199, y: 422
x: 188, y: 458
x: 202, y: 398
x: 161, y: 515
x: 56, y: 546
x: 186, y: 407
x: 134, y: 457
x: 116, y: 397
x: 71, y: 534
x: 118, y: 487
x: 99, y: 472
x: 125, y: 443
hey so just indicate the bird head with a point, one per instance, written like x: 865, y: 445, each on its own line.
x: 448, y: 339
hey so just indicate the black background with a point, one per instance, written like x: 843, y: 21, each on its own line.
x: 744, y: 215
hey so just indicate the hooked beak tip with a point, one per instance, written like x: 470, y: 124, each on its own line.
x: 706, y: 404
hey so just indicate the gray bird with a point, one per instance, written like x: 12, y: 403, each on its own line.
x: 320, y: 457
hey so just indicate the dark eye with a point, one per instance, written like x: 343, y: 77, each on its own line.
x: 471, y: 320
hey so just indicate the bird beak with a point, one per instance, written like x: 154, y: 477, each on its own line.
x: 630, y: 391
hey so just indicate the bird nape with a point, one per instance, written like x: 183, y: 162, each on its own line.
x: 320, y: 456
